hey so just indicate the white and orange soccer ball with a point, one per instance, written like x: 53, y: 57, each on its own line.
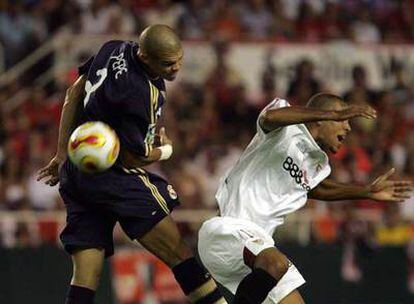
x: 93, y: 147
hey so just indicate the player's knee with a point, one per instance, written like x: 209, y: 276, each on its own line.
x: 274, y: 263
x: 88, y: 277
x: 87, y: 268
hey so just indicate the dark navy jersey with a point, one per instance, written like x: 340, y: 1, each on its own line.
x: 120, y: 93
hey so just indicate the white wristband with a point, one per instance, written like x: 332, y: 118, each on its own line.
x: 166, y: 152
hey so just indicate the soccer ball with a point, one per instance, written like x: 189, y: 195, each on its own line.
x: 93, y: 147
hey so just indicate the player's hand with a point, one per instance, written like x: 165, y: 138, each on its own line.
x: 382, y: 189
x: 353, y: 111
x: 164, y: 139
x: 51, y: 171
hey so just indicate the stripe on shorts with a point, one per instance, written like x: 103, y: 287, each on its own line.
x: 158, y: 197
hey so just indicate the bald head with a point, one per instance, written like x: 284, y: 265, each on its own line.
x: 159, y: 39
x: 161, y: 52
x: 325, y: 101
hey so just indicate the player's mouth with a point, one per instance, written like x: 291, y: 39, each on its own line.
x: 341, y: 138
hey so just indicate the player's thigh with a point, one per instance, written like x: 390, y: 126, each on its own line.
x: 221, y: 244
x: 164, y: 240
x: 87, y: 267
x: 88, y: 223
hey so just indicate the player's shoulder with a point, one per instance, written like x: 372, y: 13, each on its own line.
x: 125, y: 72
x: 277, y: 103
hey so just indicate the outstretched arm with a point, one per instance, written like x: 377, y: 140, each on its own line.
x: 381, y: 189
x: 276, y: 118
x: 73, y: 101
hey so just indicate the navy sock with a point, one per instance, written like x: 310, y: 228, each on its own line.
x: 255, y: 287
x: 196, y: 283
x: 80, y: 295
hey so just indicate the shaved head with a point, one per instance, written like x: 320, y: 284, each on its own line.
x: 159, y: 39
x: 325, y: 101
x: 161, y: 52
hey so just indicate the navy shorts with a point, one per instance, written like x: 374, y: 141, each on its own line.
x: 137, y: 199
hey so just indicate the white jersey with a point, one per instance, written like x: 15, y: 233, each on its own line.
x: 273, y: 175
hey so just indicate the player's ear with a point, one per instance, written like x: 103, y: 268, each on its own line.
x: 142, y: 55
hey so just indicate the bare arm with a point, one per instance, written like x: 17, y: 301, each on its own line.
x: 328, y: 190
x: 276, y: 118
x: 381, y: 189
x: 73, y: 102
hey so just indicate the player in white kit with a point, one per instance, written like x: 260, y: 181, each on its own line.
x: 283, y: 165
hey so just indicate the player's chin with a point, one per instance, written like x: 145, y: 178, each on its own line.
x: 170, y: 77
x: 335, y: 148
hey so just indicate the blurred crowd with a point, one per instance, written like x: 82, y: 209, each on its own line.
x: 211, y: 123
x: 26, y: 23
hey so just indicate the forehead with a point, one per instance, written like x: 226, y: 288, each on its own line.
x: 338, y: 106
x: 170, y: 55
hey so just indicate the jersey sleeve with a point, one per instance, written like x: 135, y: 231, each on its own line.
x: 275, y: 104
x: 84, y: 68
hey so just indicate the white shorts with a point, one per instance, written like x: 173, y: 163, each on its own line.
x: 221, y: 243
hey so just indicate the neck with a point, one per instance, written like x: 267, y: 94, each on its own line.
x: 151, y: 75
x: 313, y: 130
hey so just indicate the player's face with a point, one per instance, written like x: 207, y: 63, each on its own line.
x: 332, y: 134
x: 167, y: 64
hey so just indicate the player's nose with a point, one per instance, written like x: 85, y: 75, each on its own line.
x: 176, y: 67
x: 347, y: 126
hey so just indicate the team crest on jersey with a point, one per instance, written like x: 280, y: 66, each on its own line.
x: 172, y: 192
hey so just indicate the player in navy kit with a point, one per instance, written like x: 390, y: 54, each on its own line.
x: 123, y: 86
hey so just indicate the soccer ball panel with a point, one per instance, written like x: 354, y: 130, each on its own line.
x: 93, y: 147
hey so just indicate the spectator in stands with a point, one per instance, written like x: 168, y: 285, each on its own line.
x: 104, y: 17
x: 394, y: 231
x: 360, y: 85
x: 304, y: 84
x: 308, y: 24
x: 363, y: 28
x: 193, y: 22
x: 256, y: 19
x: 58, y: 13
x: 401, y: 92
x: 224, y: 81
x: 282, y: 28
x: 225, y: 23
x: 20, y: 32
x: 333, y: 26
x: 165, y: 10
